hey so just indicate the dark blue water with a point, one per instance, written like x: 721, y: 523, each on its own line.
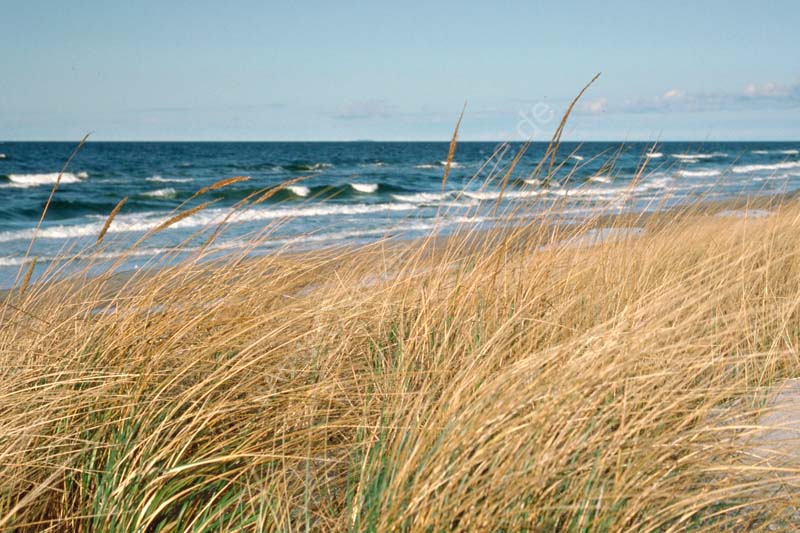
x: 350, y: 192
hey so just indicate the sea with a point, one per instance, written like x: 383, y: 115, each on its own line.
x: 339, y: 193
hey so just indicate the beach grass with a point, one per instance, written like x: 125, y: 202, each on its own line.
x: 601, y: 376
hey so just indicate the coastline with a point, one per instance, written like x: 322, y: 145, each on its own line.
x: 758, y: 205
x: 535, y: 237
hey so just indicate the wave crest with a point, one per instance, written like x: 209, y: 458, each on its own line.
x: 742, y: 169
x: 782, y: 152
x: 697, y: 173
x: 169, y: 192
x: 141, y: 222
x: 306, y: 167
x: 299, y: 190
x: 23, y: 181
x: 422, y: 197
x: 366, y: 188
x: 159, y: 179
x: 694, y: 158
x: 495, y: 195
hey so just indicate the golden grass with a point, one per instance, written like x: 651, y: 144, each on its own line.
x: 528, y: 377
x: 110, y: 219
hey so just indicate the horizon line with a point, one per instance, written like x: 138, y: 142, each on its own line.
x: 220, y: 141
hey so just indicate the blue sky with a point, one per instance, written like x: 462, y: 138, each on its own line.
x: 260, y: 70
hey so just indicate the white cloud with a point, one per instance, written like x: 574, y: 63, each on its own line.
x: 595, y: 106
x: 674, y: 94
x: 768, y: 94
x: 769, y: 89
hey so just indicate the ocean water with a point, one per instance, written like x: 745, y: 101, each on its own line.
x: 348, y: 192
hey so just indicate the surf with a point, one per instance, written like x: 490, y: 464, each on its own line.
x: 24, y: 181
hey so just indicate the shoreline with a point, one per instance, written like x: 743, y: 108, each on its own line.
x: 733, y: 207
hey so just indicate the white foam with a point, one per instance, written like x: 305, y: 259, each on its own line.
x: 2, y: 156
x: 696, y: 157
x: 585, y: 191
x: 576, y: 157
x: 169, y: 192
x: 142, y: 252
x: 462, y: 204
x: 776, y: 177
x: 366, y: 188
x: 697, y: 173
x: 426, y: 165
x: 299, y: 190
x: 741, y: 169
x: 651, y: 183
x: 304, y: 167
x: 453, y: 164
x: 654, y: 155
x: 213, y: 215
x: 784, y: 152
x: 494, y: 195
x: 600, y: 179
x: 23, y: 181
x: 422, y: 197
x: 535, y: 182
x: 13, y: 261
x: 141, y: 222
x: 159, y: 179
x: 690, y: 157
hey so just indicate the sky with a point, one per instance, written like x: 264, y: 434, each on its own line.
x: 306, y: 70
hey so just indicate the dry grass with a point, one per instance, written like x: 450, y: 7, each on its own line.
x: 513, y: 379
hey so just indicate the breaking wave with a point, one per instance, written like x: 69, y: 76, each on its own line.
x: 741, y: 169
x: 23, y: 181
x: 159, y: 179
x: 697, y: 173
x: 366, y: 188
x: 141, y: 222
x: 169, y: 192
x: 299, y: 190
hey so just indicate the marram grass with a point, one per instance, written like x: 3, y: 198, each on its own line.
x: 527, y: 378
